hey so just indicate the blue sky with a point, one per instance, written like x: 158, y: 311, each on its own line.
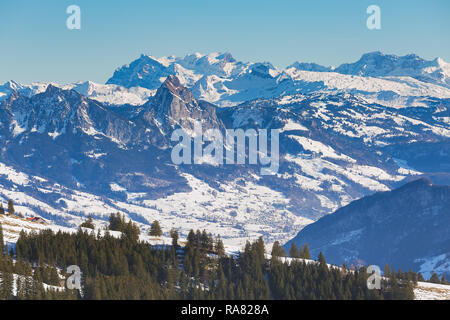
x: 37, y: 46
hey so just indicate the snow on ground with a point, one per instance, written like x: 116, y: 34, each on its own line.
x: 366, y: 176
x: 235, y: 211
x: 320, y: 148
x: 12, y: 225
x: 405, y: 168
x: 47, y: 287
x: 431, y: 291
x: 439, y: 264
x: 423, y: 290
x: 109, y: 94
x: 290, y: 125
x: 403, y: 88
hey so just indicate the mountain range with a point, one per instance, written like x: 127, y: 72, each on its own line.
x: 389, y: 80
x: 69, y: 151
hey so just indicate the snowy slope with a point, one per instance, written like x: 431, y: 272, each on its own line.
x: 431, y: 291
x: 218, y: 78
x: 406, y: 228
x: 238, y: 213
x: 107, y: 94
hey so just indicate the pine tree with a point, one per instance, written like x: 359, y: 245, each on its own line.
x: 131, y: 231
x: 387, y: 270
x: 53, y: 276
x: 2, y: 244
x: 293, y: 251
x: 117, y: 222
x: 277, y: 250
x: 7, y: 283
x: 155, y: 229
x: 220, y: 248
x: 191, y: 239
x: 11, y: 209
x: 434, y: 278
x: 2, y: 210
x: 89, y: 223
x: 306, y: 253
x: 321, y: 259
x: 174, y: 235
x: 21, y: 288
x: 420, y: 277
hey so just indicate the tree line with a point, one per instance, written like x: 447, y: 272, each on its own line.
x: 123, y: 267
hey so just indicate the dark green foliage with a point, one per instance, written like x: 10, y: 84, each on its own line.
x: 220, y: 248
x: 155, y: 229
x: 2, y: 243
x: 277, y: 250
x: 125, y: 268
x: 11, y: 209
x: 174, y: 235
x: 117, y: 222
x: 130, y: 230
x: 315, y: 281
x: 321, y: 259
x: 293, y: 252
x: 112, y: 268
x: 304, y: 252
x: 89, y: 223
x: 434, y: 278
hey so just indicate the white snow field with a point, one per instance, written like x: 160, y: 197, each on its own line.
x: 431, y: 291
x: 236, y: 213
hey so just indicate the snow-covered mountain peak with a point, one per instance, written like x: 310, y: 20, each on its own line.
x: 52, y: 89
x: 86, y: 88
x: 145, y: 72
x: 174, y: 105
x: 108, y: 94
x: 220, y: 64
x: 11, y: 85
x: 264, y: 70
x: 309, y: 66
x: 395, y: 81
x: 173, y: 86
x: 441, y: 62
x: 378, y: 64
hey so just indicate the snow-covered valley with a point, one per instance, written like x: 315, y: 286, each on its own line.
x: 74, y: 150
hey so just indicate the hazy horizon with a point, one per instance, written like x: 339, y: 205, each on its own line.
x: 40, y: 48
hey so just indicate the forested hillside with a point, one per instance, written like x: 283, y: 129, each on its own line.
x: 126, y: 268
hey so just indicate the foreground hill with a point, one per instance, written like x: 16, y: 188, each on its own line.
x: 408, y: 228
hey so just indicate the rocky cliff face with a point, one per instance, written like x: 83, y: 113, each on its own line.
x: 174, y: 105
